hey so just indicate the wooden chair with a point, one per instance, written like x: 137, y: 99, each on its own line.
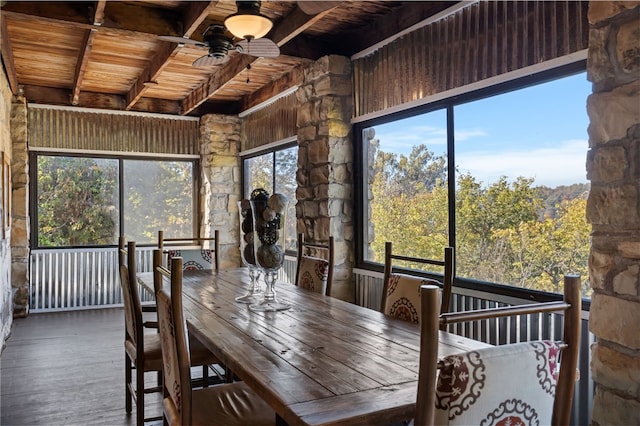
x: 227, y: 404
x: 313, y: 272
x: 142, y: 350
x: 193, y: 258
x: 200, y: 355
x: 124, y: 259
x: 401, y: 291
x: 517, y: 380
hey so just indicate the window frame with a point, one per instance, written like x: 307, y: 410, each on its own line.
x: 449, y: 103
x: 33, y: 189
x: 272, y: 149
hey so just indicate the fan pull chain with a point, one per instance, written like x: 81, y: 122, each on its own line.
x: 248, y: 65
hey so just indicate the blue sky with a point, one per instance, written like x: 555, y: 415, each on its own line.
x: 538, y: 132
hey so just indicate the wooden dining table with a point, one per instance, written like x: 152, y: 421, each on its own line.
x: 324, y: 361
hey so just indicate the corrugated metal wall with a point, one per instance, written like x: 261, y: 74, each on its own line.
x: 82, y: 130
x: 275, y: 122
x: 480, y: 41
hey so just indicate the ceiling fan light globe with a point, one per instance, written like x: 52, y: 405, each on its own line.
x: 248, y: 26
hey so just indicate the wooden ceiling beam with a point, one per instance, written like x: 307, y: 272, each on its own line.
x: 81, y: 65
x: 294, y: 24
x: 114, y: 16
x: 217, y: 81
x: 7, y: 57
x: 150, y: 74
x: 85, y: 51
x: 289, y: 80
x: 193, y: 16
x: 283, y: 32
x: 75, y: 12
x: 98, y: 16
x: 54, y: 96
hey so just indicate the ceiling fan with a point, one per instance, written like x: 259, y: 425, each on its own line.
x: 248, y: 25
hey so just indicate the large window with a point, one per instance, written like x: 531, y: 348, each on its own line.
x: 498, y: 175
x: 275, y: 171
x: 84, y: 201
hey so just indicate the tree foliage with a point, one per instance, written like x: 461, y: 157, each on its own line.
x: 506, y: 232
x: 158, y: 196
x: 77, y: 201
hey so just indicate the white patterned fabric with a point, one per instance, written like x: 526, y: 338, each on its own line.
x: 403, y: 297
x: 509, y: 385
x: 313, y: 274
x: 193, y: 259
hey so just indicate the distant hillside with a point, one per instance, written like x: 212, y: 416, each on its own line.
x: 554, y: 196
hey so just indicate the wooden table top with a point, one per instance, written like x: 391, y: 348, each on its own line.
x: 324, y: 361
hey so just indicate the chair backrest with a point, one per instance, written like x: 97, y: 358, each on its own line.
x: 130, y: 296
x: 192, y: 258
x: 175, y: 350
x: 122, y: 251
x: 509, y: 382
x: 401, y: 291
x: 314, y: 272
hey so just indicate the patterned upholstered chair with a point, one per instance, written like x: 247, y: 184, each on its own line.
x: 227, y: 404
x: 523, y: 383
x: 198, y: 258
x: 401, y: 291
x: 314, y: 272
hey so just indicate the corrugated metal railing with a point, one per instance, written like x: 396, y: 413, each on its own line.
x: 68, y: 279
x: 71, y: 279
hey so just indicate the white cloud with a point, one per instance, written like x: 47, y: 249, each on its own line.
x: 403, y: 140
x: 551, y: 166
x: 466, y: 134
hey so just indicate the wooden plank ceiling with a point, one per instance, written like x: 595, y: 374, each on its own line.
x: 107, y: 54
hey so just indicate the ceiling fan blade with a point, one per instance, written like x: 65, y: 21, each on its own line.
x: 182, y: 40
x: 262, y: 47
x: 312, y: 7
x: 209, y: 61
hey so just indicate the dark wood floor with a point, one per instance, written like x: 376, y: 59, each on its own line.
x: 67, y: 369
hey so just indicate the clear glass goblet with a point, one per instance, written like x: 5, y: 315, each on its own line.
x: 269, y: 214
x: 247, y: 253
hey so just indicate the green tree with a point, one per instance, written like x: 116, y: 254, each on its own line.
x: 409, y: 203
x: 158, y: 196
x: 504, y: 232
x: 77, y: 201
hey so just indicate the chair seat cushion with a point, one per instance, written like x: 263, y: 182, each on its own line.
x: 229, y: 405
x: 152, y: 352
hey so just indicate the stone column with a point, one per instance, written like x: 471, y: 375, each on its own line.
x: 325, y: 164
x: 220, y: 187
x: 20, y: 208
x: 613, y: 209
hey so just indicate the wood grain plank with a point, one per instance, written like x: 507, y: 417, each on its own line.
x: 324, y: 361
x: 67, y: 368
